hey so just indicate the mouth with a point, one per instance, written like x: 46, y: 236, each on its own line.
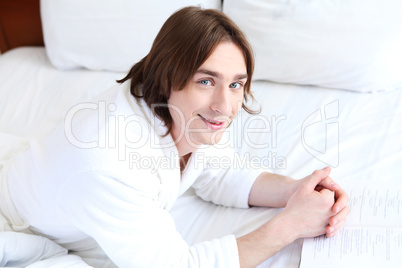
x: 213, y: 124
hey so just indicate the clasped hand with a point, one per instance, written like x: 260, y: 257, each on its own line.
x: 318, y: 206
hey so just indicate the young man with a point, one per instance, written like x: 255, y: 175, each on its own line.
x: 88, y: 186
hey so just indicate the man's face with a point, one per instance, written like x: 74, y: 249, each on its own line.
x: 204, y: 109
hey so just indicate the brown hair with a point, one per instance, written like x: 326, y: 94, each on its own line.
x: 183, y: 44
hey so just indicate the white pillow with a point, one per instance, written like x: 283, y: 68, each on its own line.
x: 105, y: 34
x: 354, y: 44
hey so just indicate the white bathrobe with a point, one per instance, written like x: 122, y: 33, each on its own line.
x: 107, y: 176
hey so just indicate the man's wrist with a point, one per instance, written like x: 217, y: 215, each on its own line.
x: 272, y: 190
x: 265, y: 242
x: 293, y: 185
x: 281, y: 230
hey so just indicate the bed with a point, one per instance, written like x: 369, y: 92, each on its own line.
x: 307, y: 122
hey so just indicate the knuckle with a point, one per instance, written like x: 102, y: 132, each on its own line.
x: 316, y: 172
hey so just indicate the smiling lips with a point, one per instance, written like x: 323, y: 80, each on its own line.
x: 213, y: 124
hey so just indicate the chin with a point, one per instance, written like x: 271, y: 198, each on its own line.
x: 210, y: 139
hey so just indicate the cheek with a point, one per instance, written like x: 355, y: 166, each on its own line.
x: 237, y: 104
x: 181, y: 106
x: 174, y: 107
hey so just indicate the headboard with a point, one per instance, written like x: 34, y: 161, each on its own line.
x: 20, y: 24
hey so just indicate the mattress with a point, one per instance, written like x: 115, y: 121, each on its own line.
x: 299, y: 129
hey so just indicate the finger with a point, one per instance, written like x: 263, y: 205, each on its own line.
x: 317, y: 176
x: 332, y: 234
x: 329, y: 183
x: 318, y: 188
x: 327, y: 192
x: 335, y: 227
x: 341, y: 200
x: 329, y: 196
x: 329, y: 231
x: 340, y: 217
x: 333, y: 230
x: 329, y: 235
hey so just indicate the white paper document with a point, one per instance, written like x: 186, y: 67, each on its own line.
x: 371, y: 237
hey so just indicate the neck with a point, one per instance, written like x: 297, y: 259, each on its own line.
x: 182, y: 144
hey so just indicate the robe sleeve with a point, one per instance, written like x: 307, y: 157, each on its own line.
x: 124, y: 217
x: 227, y: 178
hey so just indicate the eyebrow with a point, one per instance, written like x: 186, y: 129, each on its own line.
x: 219, y: 75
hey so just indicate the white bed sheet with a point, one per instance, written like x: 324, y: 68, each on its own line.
x: 300, y: 129
x: 359, y: 135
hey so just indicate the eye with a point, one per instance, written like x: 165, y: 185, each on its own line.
x: 205, y: 82
x: 236, y: 85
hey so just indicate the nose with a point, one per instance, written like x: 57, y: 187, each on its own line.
x: 221, y: 102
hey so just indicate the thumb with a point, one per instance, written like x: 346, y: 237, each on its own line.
x: 317, y: 176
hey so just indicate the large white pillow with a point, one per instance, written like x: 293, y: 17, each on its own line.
x: 105, y: 34
x: 351, y: 44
